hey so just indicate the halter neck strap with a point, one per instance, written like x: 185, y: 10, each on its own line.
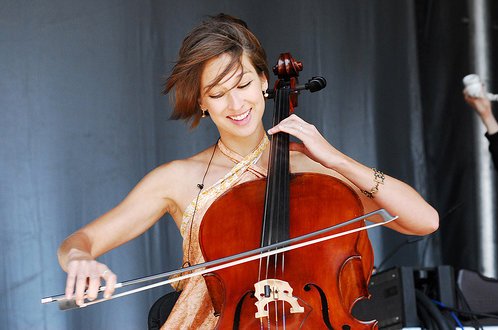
x: 252, y: 158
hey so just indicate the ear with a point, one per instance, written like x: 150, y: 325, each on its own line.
x: 264, y: 82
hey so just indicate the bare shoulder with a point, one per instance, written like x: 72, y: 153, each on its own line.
x: 177, y: 180
x: 180, y: 172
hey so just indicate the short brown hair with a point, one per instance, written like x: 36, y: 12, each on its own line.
x: 218, y: 35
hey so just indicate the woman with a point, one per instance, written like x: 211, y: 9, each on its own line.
x: 222, y: 74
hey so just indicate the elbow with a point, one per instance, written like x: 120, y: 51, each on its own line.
x: 433, y: 222
x: 436, y: 221
x: 422, y: 224
x: 430, y: 224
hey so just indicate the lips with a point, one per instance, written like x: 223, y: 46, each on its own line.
x: 241, y: 116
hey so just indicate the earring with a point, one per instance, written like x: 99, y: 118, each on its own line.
x: 205, y: 113
x: 265, y: 94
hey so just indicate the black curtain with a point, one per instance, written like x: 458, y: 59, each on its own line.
x: 82, y: 120
x: 443, y: 48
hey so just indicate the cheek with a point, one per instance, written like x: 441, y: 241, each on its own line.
x: 259, y: 96
x: 256, y: 93
x: 216, y: 105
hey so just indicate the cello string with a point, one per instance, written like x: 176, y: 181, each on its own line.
x: 285, y: 217
x: 284, y: 318
x: 275, y: 301
x: 276, y: 219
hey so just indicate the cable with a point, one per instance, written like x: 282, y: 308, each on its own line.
x: 465, y: 303
x: 481, y: 314
x: 425, y: 318
x: 200, y: 186
x: 433, y: 311
x: 452, y: 313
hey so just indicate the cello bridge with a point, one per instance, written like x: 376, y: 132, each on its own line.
x: 271, y: 290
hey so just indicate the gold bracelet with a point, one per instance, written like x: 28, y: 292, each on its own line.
x: 378, y: 180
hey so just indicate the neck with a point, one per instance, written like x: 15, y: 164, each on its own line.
x: 244, y: 145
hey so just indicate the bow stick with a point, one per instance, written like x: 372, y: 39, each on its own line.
x: 237, y: 259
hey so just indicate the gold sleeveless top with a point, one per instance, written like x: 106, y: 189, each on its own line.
x: 193, y: 309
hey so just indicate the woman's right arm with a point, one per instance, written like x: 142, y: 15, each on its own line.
x: 144, y: 205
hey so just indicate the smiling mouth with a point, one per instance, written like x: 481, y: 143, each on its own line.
x: 241, y: 116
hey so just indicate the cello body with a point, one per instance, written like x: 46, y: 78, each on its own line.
x: 327, y: 278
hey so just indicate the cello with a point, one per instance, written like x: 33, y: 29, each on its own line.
x: 314, y: 287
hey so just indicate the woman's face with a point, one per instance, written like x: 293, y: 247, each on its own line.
x: 236, y: 104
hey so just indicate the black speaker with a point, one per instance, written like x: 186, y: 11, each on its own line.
x: 393, y: 300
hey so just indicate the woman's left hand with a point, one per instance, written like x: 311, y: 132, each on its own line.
x: 313, y: 143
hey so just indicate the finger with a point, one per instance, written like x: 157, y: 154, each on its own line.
x: 110, y: 282
x: 288, y: 122
x: 280, y: 127
x: 81, y: 280
x: 93, y: 286
x: 71, y: 279
x: 290, y: 128
x: 275, y: 129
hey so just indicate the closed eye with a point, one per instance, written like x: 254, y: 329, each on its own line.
x: 220, y: 95
x: 245, y: 85
x: 216, y: 96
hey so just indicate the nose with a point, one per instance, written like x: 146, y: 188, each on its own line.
x: 235, y: 99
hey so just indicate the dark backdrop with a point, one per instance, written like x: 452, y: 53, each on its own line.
x: 82, y: 120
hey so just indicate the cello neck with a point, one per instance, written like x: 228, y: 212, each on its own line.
x: 276, y: 212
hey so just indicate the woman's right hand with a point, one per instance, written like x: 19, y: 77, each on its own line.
x: 482, y: 105
x: 84, y: 276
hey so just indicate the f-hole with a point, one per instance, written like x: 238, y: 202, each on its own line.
x: 238, y: 310
x: 325, y: 304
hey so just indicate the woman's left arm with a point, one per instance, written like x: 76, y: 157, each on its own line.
x: 416, y: 216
